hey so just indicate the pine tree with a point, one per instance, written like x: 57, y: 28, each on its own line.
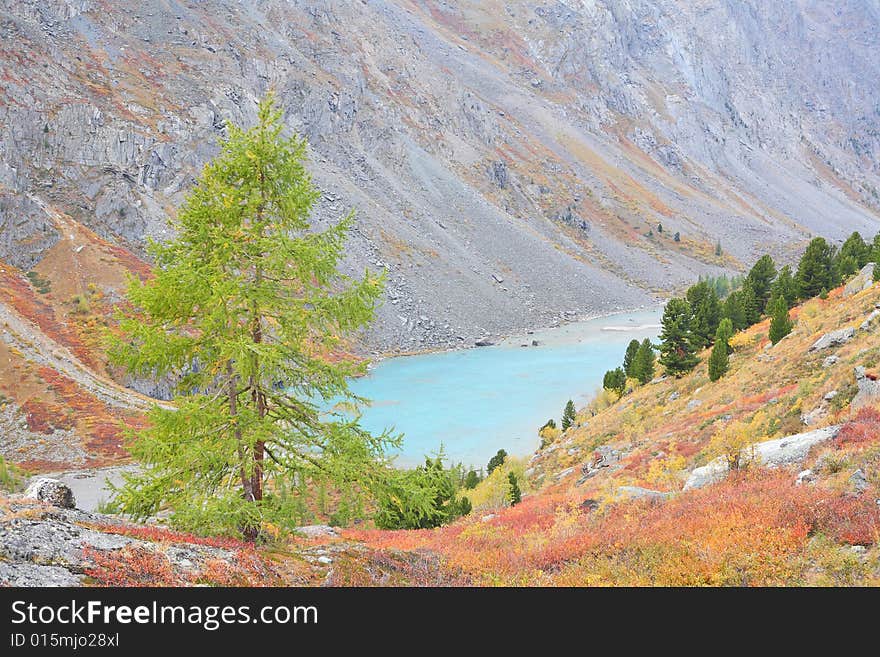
x: 734, y: 311
x: 496, y: 461
x: 785, y: 286
x: 761, y: 278
x: 718, y: 250
x: 630, y: 356
x: 719, y: 359
x: 643, y: 366
x: 568, y: 415
x: 471, y: 480
x: 749, y: 304
x: 706, y: 313
x: 724, y: 334
x: 616, y: 380
x: 816, y: 269
x: 677, y: 349
x: 514, y: 494
x: 781, y: 324
x: 248, y: 292
x: 853, y: 255
x: 677, y: 237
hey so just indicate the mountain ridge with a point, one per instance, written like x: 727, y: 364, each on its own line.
x: 510, y: 162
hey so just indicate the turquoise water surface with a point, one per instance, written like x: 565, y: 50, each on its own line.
x: 477, y: 401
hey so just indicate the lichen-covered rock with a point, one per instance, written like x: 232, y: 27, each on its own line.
x: 51, y: 491
x: 869, y: 389
x: 834, y: 339
x: 861, y: 281
x: 775, y: 453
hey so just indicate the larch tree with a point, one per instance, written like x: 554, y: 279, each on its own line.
x: 246, y: 308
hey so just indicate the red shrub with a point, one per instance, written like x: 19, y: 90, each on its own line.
x: 864, y: 427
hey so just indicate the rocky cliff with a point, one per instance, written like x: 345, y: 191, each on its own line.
x: 511, y: 163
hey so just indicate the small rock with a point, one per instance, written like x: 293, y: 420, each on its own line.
x: 858, y: 481
x: 52, y: 492
x: 674, y: 396
x: 830, y: 395
x: 325, y: 560
x: 805, y: 476
x: 590, y: 504
x: 831, y: 360
x: 487, y: 517
x: 318, y: 531
x: 693, y: 404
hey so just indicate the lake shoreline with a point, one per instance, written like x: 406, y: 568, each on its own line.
x: 524, y: 334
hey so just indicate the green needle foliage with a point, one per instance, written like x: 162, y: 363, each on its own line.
x: 514, y: 494
x: 780, y: 324
x: 244, y: 308
x: 643, y: 365
x: 569, y: 415
x: 678, y: 353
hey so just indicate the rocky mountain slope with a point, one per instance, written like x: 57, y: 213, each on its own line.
x: 510, y: 162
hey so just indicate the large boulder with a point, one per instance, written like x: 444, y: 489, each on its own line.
x: 862, y: 281
x: 51, y: 491
x: 776, y: 453
x: 834, y: 339
x: 638, y: 493
x: 869, y: 390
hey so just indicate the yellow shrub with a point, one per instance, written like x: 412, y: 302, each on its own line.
x: 491, y: 493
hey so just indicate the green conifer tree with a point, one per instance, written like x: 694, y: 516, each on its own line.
x: 780, y: 324
x: 514, y: 494
x: 706, y: 313
x: 248, y: 292
x: 643, y: 366
x: 725, y: 333
x: 719, y: 359
x: 853, y: 255
x: 568, y: 415
x: 496, y: 461
x: 734, y: 311
x: 749, y: 304
x: 630, y: 356
x: 816, y: 271
x: 761, y: 278
x: 677, y: 350
x: 785, y: 286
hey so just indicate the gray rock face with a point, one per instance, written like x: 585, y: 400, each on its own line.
x: 777, y: 453
x: 869, y: 390
x: 858, y: 481
x: 862, y: 281
x: 52, y: 492
x: 834, y: 339
x: 639, y: 493
x: 317, y: 531
x: 461, y: 161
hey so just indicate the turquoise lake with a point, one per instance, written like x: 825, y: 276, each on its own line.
x: 477, y: 401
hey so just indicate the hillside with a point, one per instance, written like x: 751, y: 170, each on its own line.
x: 510, y: 163
x: 622, y: 498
